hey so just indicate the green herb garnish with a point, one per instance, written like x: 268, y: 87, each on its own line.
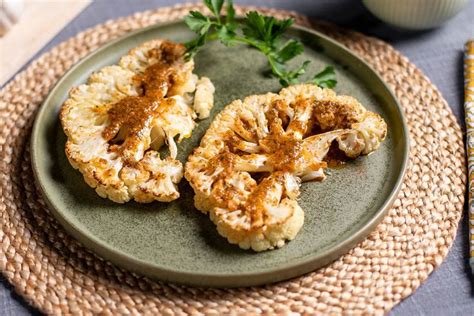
x: 326, y: 78
x: 261, y: 32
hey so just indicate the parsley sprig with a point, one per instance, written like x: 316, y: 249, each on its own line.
x: 265, y: 33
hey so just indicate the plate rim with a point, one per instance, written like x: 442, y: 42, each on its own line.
x: 226, y: 279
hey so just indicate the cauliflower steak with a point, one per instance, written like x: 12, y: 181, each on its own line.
x: 122, y: 116
x: 247, y: 171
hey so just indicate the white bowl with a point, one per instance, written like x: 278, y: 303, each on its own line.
x: 415, y: 14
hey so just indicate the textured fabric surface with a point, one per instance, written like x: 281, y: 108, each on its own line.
x: 437, y: 53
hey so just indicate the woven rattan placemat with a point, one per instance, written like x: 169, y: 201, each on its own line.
x: 57, y: 275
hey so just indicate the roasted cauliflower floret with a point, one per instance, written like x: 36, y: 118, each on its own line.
x: 248, y: 169
x: 124, y: 114
x: 204, y: 97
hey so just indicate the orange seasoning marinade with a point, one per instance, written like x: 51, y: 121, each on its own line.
x: 284, y: 152
x: 132, y: 114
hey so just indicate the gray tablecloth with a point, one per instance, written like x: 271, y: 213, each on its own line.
x: 450, y: 289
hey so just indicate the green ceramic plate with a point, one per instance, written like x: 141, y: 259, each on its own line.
x: 174, y: 242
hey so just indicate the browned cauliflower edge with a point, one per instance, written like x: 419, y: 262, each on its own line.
x: 249, y: 166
